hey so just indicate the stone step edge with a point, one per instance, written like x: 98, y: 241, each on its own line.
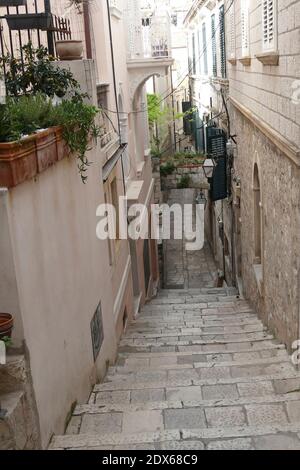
x: 93, y: 440
x: 256, y: 338
x: 137, y: 355
x: 133, y: 385
x: 204, y: 365
x: 131, y: 335
x: 103, y: 407
x: 169, y: 325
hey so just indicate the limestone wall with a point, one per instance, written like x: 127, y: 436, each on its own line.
x: 278, y: 300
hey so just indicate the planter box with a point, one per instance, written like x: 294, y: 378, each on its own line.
x: 23, y: 160
x: 12, y: 3
x: 22, y: 21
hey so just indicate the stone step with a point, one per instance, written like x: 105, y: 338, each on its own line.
x: 192, y: 299
x: 265, y: 350
x: 197, y: 370
x: 241, y: 375
x: 12, y: 421
x: 201, y: 348
x: 186, y: 438
x: 201, y: 340
x: 204, y: 331
x: 185, y: 362
x: 102, y: 407
x: 147, y: 325
x: 12, y: 374
x: 196, y: 311
x: 208, y: 290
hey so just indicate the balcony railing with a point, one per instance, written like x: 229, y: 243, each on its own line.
x: 149, y: 36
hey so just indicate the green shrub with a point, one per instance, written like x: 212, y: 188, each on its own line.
x: 167, y: 169
x: 184, y: 182
x: 36, y: 73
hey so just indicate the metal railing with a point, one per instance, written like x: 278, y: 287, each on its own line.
x: 12, y: 41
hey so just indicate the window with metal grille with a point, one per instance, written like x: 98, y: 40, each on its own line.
x: 222, y: 41
x: 245, y: 28
x: 268, y: 21
x: 214, y: 45
x: 232, y: 31
x: 204, y: 52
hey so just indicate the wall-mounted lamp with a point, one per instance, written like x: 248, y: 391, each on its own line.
x: 208, y: 168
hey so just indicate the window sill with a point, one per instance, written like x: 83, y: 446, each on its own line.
x: 268, y: 58
x: 114, y: 11
x: 246, y: 61
x: 232, y: 61
x: 258, y: 272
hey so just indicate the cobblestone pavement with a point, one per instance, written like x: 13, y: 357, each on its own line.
x: 187, y: 269
x: 196, y: 370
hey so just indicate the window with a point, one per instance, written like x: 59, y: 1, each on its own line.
x: 194, y: 55
x: 245, y: 28
x: 199, y: 51
x: 213, y: 45
x: 232, y: 31
x: 204, y: 52
x: 222, y: 41
x: 268, y: 25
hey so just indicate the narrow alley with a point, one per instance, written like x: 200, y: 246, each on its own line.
x: 196, y: 370
x: 187, y: 269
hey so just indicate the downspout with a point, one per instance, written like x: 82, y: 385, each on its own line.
x: 115, y: 88
x: 173, y: 109
x: 113, y: 67
x: 87, y: 29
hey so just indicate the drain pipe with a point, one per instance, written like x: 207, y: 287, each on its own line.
x: 87, y: 29
x: 113, y: 66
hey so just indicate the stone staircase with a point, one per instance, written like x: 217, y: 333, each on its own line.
x: 196, y: 370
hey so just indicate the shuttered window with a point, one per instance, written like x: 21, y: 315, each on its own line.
x: 232, y: 32
x: 245, y: 28
x: 222, y: 41
x: 214, y: 45
x: 268, y: 23
x: 199, y: 51
x: 194, y: 55
x: 205, y: 68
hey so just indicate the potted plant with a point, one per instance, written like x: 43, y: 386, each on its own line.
x: 12, y: 3
x: 6, y: 325
x: 69, y: 49
x: 42, y: 21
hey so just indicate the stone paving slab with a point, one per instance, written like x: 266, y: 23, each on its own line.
x: 196, y: 370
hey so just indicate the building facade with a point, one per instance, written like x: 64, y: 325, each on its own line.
x: 263, y: 40
x: 244, y: 79
x: 72, y: 294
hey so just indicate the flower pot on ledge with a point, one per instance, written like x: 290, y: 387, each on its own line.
x: 69, y: 49
x: 6, y: 325
x: 23, y: 160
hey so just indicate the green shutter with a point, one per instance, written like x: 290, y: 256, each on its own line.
x: 222, y: 41
x: 187, y: 124
x: 213, y: 46
x: 218, y: 187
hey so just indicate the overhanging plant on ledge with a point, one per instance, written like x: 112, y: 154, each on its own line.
x: 33, y: 128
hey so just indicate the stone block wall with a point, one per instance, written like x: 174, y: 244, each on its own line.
x: 197, y: 178
x: 278, y: 299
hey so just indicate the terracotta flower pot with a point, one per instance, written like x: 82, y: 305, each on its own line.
x: 6, y: 325
x: 46, y: 149
x: 69, y: 49
x: 17, y: 162
x: 23, y: 160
